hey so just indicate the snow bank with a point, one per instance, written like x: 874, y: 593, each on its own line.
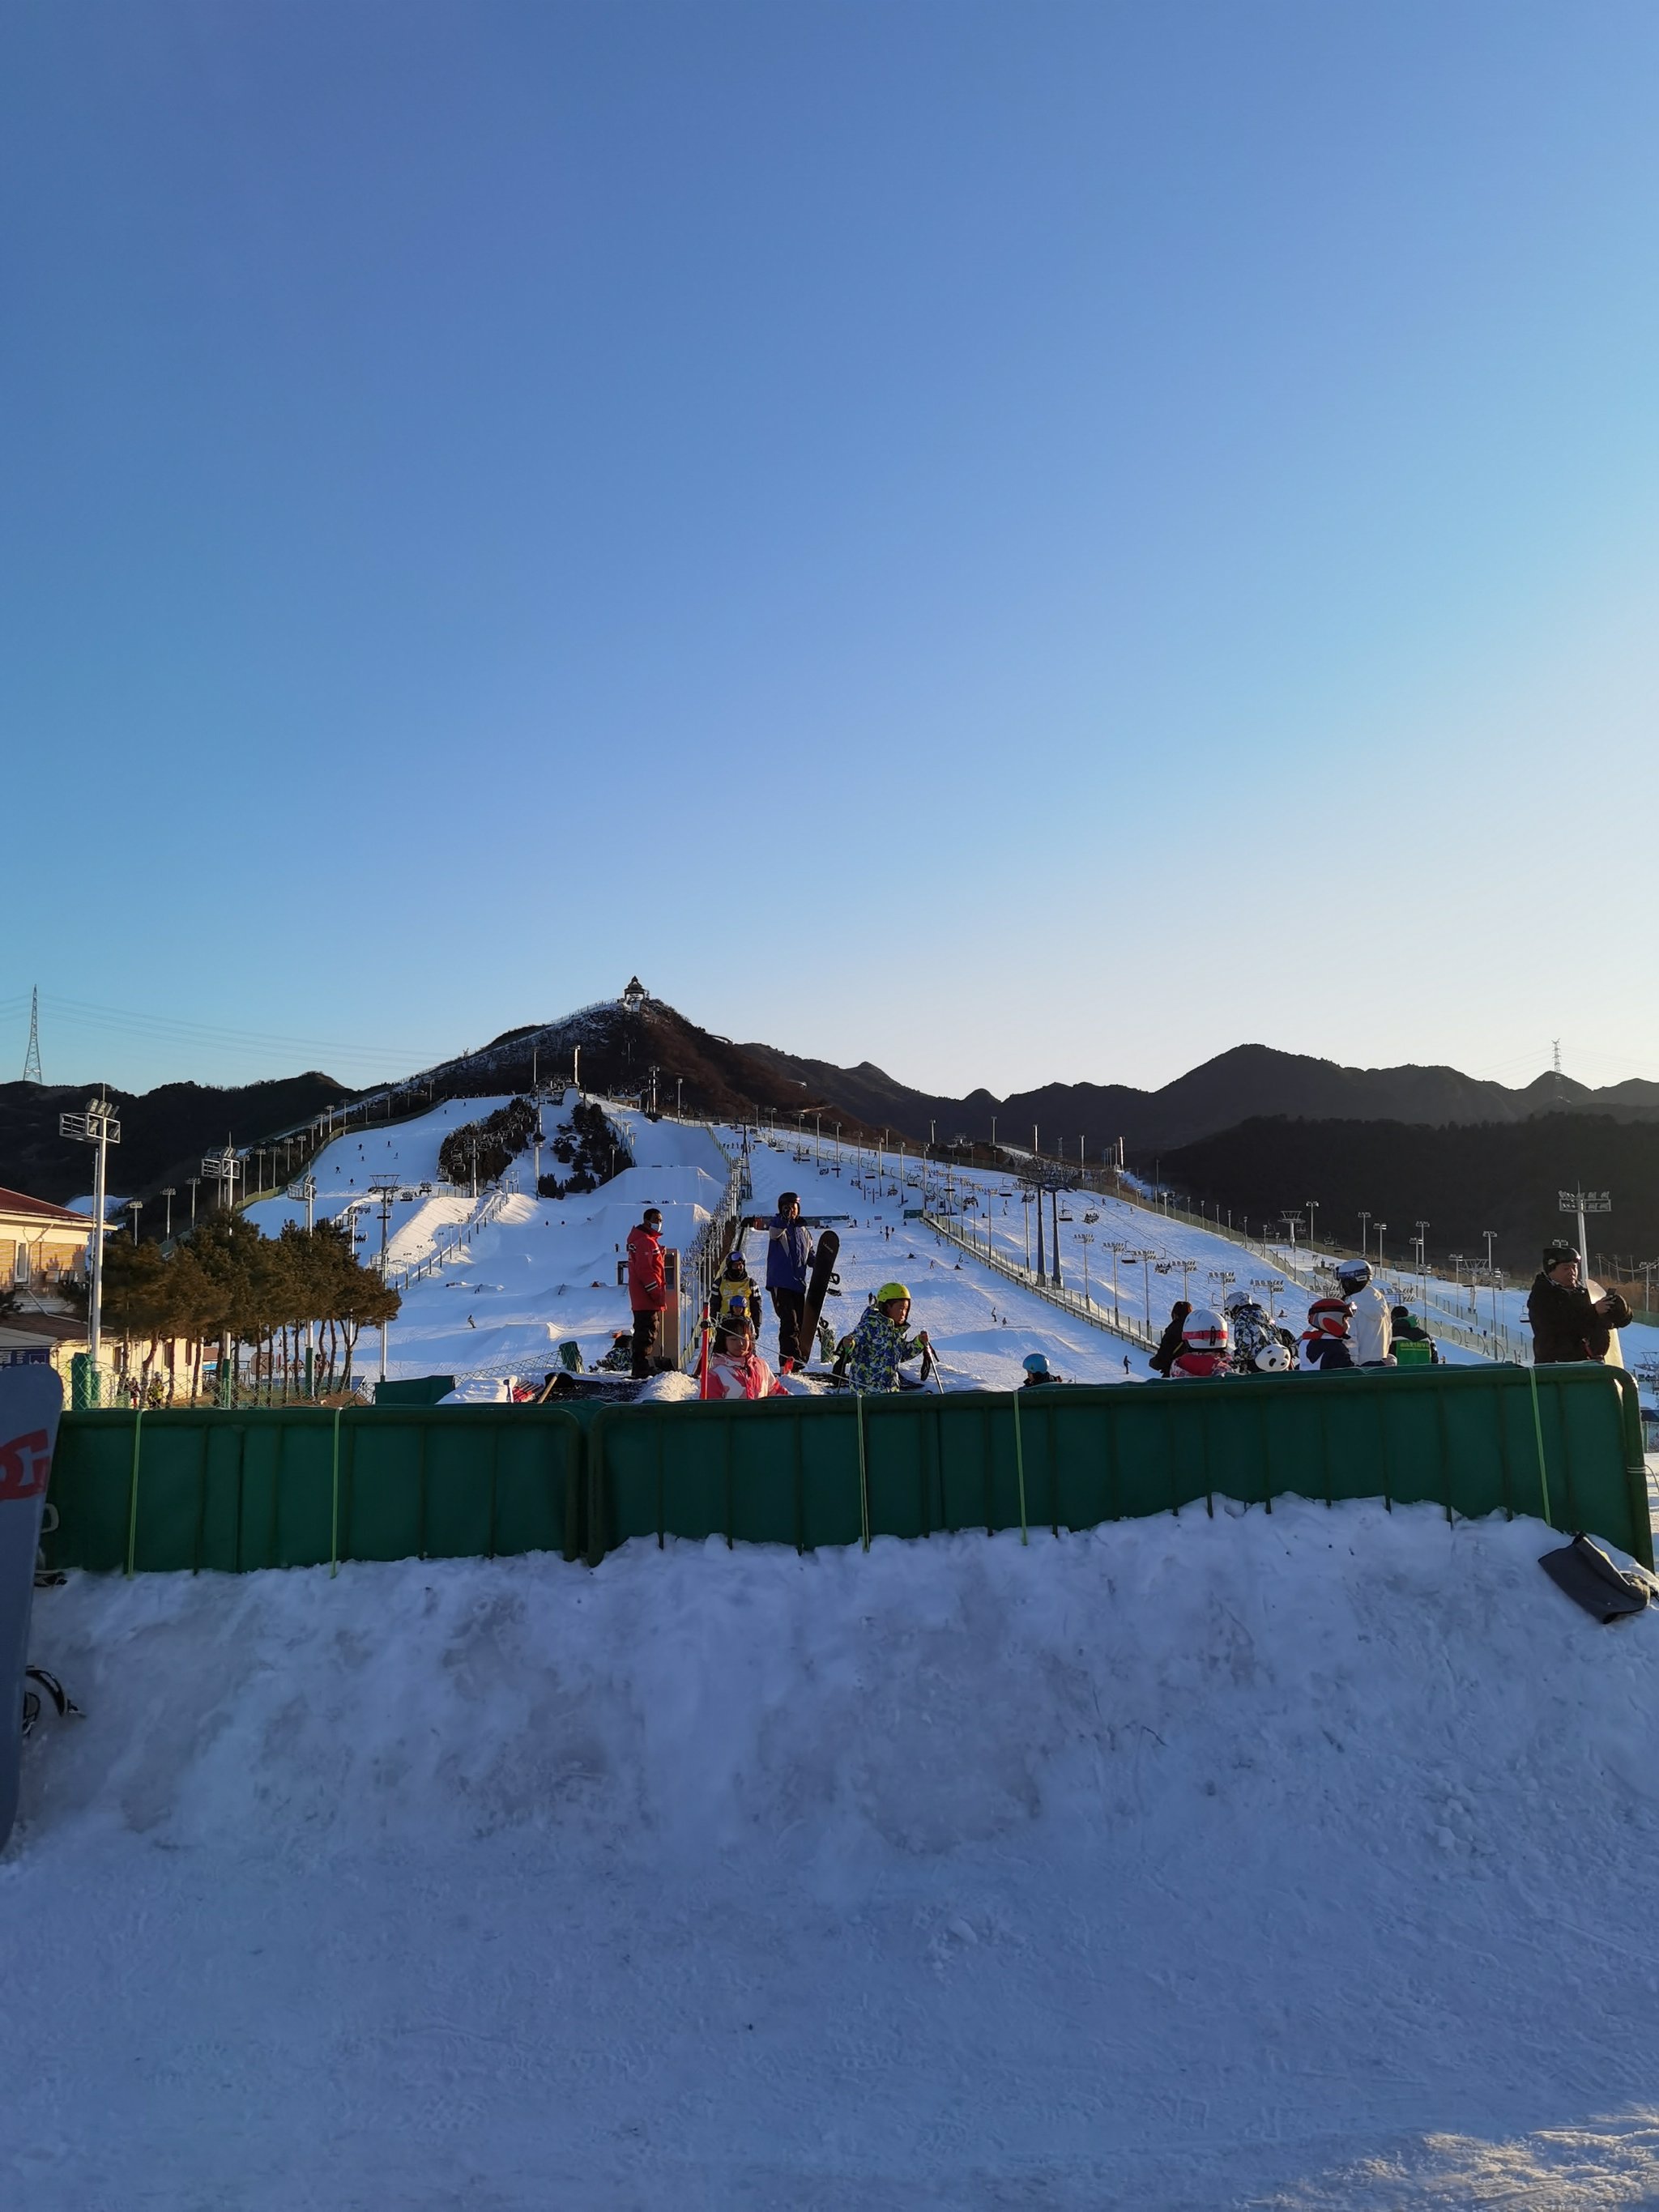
x: 1295, y: 1860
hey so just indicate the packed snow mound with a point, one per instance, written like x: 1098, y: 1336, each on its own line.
x: 1293, y: 1860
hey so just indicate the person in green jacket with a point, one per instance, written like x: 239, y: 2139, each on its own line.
x: 1413, y: 1344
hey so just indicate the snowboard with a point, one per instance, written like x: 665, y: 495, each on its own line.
x: 30, y: 1398
x: 828, y: 1251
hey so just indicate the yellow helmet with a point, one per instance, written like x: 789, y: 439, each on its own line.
x: 889, y: 1291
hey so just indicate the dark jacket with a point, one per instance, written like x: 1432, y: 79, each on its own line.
x: 1565, y: 1325
x: 1170, y: 1343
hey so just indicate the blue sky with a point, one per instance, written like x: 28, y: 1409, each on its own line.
x: 1017, y: 542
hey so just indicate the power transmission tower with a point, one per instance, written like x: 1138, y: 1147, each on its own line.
x: 32, y: 1057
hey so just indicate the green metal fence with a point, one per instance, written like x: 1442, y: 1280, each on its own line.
x: 300, y: 1486
x: 1562, y: 1443
x: 234, y: 1491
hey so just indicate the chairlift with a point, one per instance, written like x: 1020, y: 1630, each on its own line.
x: 1092, y: 1218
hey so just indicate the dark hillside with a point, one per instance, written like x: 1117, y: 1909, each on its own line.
x: 1502, y: 1176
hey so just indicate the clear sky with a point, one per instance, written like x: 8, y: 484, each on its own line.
x: 1018, y: 542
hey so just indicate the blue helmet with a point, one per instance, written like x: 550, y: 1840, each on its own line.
x: 1034, y: 1363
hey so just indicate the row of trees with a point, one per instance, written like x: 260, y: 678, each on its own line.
x: 227, y: 1283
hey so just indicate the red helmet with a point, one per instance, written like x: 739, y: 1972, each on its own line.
x: 1204, y: 1331
x: 1329, y: 1316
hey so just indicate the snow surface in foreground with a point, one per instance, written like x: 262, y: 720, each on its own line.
x: 1296, y: 1861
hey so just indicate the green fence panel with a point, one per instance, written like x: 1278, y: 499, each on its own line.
x: 419, y: 1390
x: 300, y: 1486
x: 837, y: 1471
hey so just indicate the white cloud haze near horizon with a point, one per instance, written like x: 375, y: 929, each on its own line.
x: 1146, y: 519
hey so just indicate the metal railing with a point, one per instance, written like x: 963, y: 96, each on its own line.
x: 1071, y: 1301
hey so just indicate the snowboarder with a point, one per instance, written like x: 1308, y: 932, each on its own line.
x: 647, y: 1287
x: 1413, y: 1344
x: 1037, y: 1371
x: 736, y: 1369
x: 878, y: 1346
x: 1569, y: 1325
x: 788, y: 1256
x: 1203, y: 1353
x: 1168, y: 1344
x: 1325, y: 1341
x: 1370, y: 1330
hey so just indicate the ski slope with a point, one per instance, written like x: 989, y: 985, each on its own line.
x: 1295, y: 1860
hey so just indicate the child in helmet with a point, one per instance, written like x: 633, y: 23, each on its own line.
x: 1037, y: 1371
x: 1260, y: 1346
x: 1325, y: 1340
x: 737, y: 1291
x: 736, y: 1369
x: 878, y: 1346
x: 1203, y: 1351
x: 1413, y: 1344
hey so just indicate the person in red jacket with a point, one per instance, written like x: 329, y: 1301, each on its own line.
x: 647, y: 1287
x: 737, y: 1370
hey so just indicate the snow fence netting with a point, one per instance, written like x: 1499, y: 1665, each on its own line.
x: 299, y: 1487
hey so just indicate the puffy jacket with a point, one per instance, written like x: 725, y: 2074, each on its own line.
x: 880, y: 1350
x: 647, y: 1272
x: 789, y: 1255
x: 1370, y: 1331
x: 732, y: 1377
x: 735, y: 1295
x: 1565, y: 1325
x: 1187, y: 1366
x: 1321, y: 1352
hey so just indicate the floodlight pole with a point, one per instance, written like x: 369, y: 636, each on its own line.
x: 169, y: 1194
x: 97, y: 1127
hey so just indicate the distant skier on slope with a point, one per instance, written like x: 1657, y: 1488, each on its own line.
x: 1325, y: 1344
x: 878, y: 1346
x: 1370, y: 1331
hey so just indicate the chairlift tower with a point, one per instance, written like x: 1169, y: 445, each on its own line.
x: 386, y: 1188
x: 305, y: 1189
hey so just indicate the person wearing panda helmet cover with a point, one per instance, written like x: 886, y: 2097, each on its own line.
x: 1370, y: 1324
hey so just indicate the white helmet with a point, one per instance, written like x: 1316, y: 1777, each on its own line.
x: 1237, y: 1298
x: 1204, y: 1331
x: 1353, y: 1272
x: 1272, y: 1359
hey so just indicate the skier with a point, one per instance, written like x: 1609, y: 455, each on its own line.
x: 789, y: 1250
x: 1169, y: 1344
x: 736, y: 1369
x: 737, y: 1291
x: 1569, y: 1325
x: 647, y: 1287
x: 1325, y: 1343
x: 1370, y: 1329
x: 878, y: 1346
x: 1037, y: 1371
x: 1203, y: 1353
x: 1413, y: 1344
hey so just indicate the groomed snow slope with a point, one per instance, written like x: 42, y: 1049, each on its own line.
x: 1296, y: 1861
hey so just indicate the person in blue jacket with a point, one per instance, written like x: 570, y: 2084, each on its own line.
x: 788, y: 1258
